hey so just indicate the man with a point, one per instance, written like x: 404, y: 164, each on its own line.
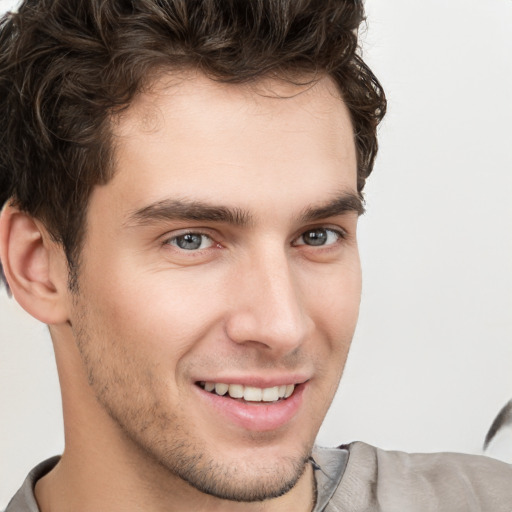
x: 182, y: 183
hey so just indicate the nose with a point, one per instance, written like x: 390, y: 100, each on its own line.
x: 267, y: 308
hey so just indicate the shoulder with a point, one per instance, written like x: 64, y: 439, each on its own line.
x: 380, y: 480
x: 24, y: 500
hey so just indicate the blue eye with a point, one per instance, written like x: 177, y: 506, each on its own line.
x: 319, y: 237
x: 191, y: 241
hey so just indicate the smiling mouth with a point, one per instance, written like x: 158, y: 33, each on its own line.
x: 249, y: 393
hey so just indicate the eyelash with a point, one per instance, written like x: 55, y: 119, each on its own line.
x: 175, y: 238
x: 340, y: 235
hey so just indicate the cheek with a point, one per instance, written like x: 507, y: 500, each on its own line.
x: 162, y: 314
x: 334, y: 307
x: 334, y: 301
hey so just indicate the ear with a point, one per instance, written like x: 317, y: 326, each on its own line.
x: 34, y: 265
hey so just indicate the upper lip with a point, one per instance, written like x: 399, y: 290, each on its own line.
x: 258, y: 381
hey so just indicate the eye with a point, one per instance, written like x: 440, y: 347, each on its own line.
x: 319, y: 237
x: 191, y: 241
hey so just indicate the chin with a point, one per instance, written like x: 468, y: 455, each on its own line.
x: 246, y: 481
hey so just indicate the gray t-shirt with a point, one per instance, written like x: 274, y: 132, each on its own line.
x: 361, y: 478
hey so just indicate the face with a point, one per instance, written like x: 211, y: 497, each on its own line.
x: 219, y: 283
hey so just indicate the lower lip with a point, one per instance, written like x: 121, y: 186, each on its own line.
x: 256, y: 416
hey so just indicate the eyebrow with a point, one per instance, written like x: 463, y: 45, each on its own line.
x: 346, y: 202
x: 183, y: 209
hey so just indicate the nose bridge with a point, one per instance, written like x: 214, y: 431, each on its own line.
x: 267, y: 308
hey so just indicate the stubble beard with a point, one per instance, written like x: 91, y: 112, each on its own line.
x: 246, y: 482
x: 131, y: 399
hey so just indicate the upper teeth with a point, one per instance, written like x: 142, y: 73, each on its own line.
x: 250, y: 393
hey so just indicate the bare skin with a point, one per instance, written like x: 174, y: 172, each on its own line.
x: 223, y: 251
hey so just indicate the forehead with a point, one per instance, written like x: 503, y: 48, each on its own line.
x: 262, y: 96
x: 192, y: 137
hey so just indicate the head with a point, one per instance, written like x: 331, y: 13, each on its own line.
x: 199, y: 167
x: 69, y: 69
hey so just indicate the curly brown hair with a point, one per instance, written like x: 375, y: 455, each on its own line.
x: 68, y: 66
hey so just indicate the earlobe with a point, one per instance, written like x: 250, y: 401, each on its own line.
x: 33, y: 266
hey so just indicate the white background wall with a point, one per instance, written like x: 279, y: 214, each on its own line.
x: 431, y: 363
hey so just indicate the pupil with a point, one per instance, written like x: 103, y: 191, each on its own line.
x: 189, y: 241
x: 315, y: 237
